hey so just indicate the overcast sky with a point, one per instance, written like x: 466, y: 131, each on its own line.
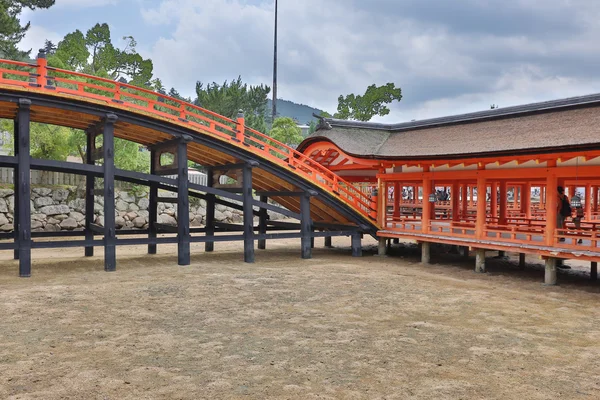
x: 448, y: 57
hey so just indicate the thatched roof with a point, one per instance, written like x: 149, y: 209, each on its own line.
x: 540, y: 127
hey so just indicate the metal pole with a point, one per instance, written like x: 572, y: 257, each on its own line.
x: 274, y: 114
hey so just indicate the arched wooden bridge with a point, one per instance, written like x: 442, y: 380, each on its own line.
x: 325, y: 204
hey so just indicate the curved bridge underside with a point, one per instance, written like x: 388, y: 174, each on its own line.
x: 323, y: 204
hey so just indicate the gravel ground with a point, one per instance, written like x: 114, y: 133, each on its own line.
x: 333, y: 327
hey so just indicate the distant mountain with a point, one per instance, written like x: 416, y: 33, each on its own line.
x: 299, y: 112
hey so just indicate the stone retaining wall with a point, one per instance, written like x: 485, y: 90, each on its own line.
x: 63, y: 208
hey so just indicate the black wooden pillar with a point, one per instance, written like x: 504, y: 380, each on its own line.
x: 248, y: 213
x: 108, y: 152
x: 183, y: 209
x: 16, y: 182
x: 209, y: 245
x: 356, y: 245
x: 153, y: 204
x: 262, y: 223
x: 328, y: 242
x: 90, y: 154
x: 306, y: 227
x: 23, y: 188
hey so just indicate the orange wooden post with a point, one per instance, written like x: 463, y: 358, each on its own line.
x: 41, y: 70
x: 503, y: 203
x: 551, y: 208
x: 470, y: 191
x: 595, y: 198
x: 427, y: 206
x: 494, y: 200
x: 481, y: 207
x: 241, y: 128
x: 526, y: 199
x: 588, y: 202
x: 397, y: 199
x: 381, y: 203
x: 455, y: 201
x: 542, y: 197
x: 464, y: 200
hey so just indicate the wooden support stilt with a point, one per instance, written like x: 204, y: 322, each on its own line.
x: 262, y: 223
x: 108, y: 151
x: 382, y: 248
x: 594, y: 271
x: 23, y: 188
x: 356, y: 245
x: 425, y: 252
x: 183, y: 205
x: 328, y: 242
x: 480, y: 260
x: 16, y: 180
x: 89, y: 192
x: 210, y: 213
x: 248, y: 214
x: 522, y: 260
x: 550, y: 275
x: 152, y: 204
x: 305, y: 226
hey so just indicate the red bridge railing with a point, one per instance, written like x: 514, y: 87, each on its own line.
x: 40, y: 77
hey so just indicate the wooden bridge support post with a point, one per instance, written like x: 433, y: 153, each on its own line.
x: 22, y: 223
x: 16, y: 182
x: 328, y: 242
x: 248, y: 213
x: 550, y: 274
x: 480, y: 260
x: 89, y: 191
x: 152, y: 204
x: 209, y: 245
x: 382, y: 248
x: 306, y: 227
x: 594, y: 271
x: 425, y: 252
x: 183, y: 203
x: 356, y: 245
x: 521, y: 260
x: 263, y: 216
x: 108, y: 149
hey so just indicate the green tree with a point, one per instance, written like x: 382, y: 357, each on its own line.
x: 312, y: 127
x: 230, y: 97
x: 286, y: 131
x: 11, y: 31
x: 72, y: 52
x: 365, y: 107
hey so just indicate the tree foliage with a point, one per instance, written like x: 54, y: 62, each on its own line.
x: 286, y: 131
x: 230, y: 97
x: 11, y: 31
x: 365, y: 107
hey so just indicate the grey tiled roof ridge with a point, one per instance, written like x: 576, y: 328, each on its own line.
x: 470, y: 117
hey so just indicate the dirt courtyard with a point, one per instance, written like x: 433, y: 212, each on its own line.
x: 333, y: 327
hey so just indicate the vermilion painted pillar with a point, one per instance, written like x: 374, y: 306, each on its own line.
x: 526, y: 199
x: 397, y: 199
x: 494, y: 200
x: 464, y: 200
x: 481, y: 208
x: 595, y: 198
x: 503, y: 204
x: 455, y: 201
x: 427, y: 206
x: 551, y: 211
x: 588, y: 202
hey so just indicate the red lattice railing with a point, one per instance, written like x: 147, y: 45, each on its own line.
x: 41, y: 78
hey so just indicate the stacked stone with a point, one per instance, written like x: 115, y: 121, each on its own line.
x: 56, y: 209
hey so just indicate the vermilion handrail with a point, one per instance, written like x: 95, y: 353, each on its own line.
x: 40, y: 77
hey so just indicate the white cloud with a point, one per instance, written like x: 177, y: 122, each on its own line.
x: 35, y: 37
x: 84, y: 3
